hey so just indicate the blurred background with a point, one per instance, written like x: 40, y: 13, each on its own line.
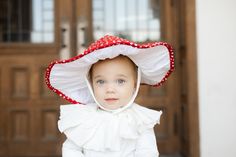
x: 198, y: 100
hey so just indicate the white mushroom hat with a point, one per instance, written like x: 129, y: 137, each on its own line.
x: 68, y: 78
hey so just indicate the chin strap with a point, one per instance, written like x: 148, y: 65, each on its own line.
x: 122, y: 107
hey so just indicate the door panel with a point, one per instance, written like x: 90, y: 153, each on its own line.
x: 29, y: 40
x: 29, y: 112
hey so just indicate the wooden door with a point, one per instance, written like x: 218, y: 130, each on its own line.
x: 32, y: 34
x: 35, y: 32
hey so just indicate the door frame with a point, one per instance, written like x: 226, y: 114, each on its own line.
x: 180, y: 31
x: 185, y: 36
x: 189, y: 47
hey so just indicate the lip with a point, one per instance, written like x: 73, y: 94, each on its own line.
x: 111, y: 99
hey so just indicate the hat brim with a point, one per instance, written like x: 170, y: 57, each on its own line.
x: 67, y: 77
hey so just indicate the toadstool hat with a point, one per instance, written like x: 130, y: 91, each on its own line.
x: 68, y: 78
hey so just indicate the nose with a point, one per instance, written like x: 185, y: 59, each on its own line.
x: 110, y: 88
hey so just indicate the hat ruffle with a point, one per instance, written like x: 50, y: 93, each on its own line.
x: 98, y: 130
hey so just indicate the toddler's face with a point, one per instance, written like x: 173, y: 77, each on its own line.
x: 113, y: 82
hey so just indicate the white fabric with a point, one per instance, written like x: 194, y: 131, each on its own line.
x: 93, y: 132
x: 69, y: 77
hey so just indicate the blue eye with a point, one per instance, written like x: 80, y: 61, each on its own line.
x: 100, y: 82
x: 120, y: 81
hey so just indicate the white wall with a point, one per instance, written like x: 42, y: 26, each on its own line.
x: 216, y: 50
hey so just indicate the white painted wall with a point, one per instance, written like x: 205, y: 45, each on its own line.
x: 216, y: 50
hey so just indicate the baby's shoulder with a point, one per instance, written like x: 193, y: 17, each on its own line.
x: 145, y: 114
x: 144, y: 109
x: 69, y: 110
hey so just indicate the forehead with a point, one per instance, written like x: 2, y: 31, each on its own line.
x: 117, y: 64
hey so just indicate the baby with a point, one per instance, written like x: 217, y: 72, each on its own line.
x: 102, y: 84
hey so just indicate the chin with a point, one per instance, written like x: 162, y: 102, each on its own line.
x: 111, y: 107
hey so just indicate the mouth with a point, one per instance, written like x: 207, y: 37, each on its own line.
x: 111, y: 99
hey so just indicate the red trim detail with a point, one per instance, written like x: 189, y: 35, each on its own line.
x: 172, y: 64
x: 104, y: 42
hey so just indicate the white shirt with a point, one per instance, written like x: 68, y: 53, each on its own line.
x: 93, y: 132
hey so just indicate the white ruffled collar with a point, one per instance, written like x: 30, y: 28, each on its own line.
x: 92, y: 128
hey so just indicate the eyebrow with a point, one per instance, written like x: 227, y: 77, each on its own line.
x: 98, y: 76
x: 119, y: 75
x: 122, y: 75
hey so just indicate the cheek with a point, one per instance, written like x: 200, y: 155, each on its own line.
x: 98, y: 93
x: 129, y: 91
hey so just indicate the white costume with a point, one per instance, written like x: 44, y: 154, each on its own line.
x: 94, y: 132
x: 91, y: 129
